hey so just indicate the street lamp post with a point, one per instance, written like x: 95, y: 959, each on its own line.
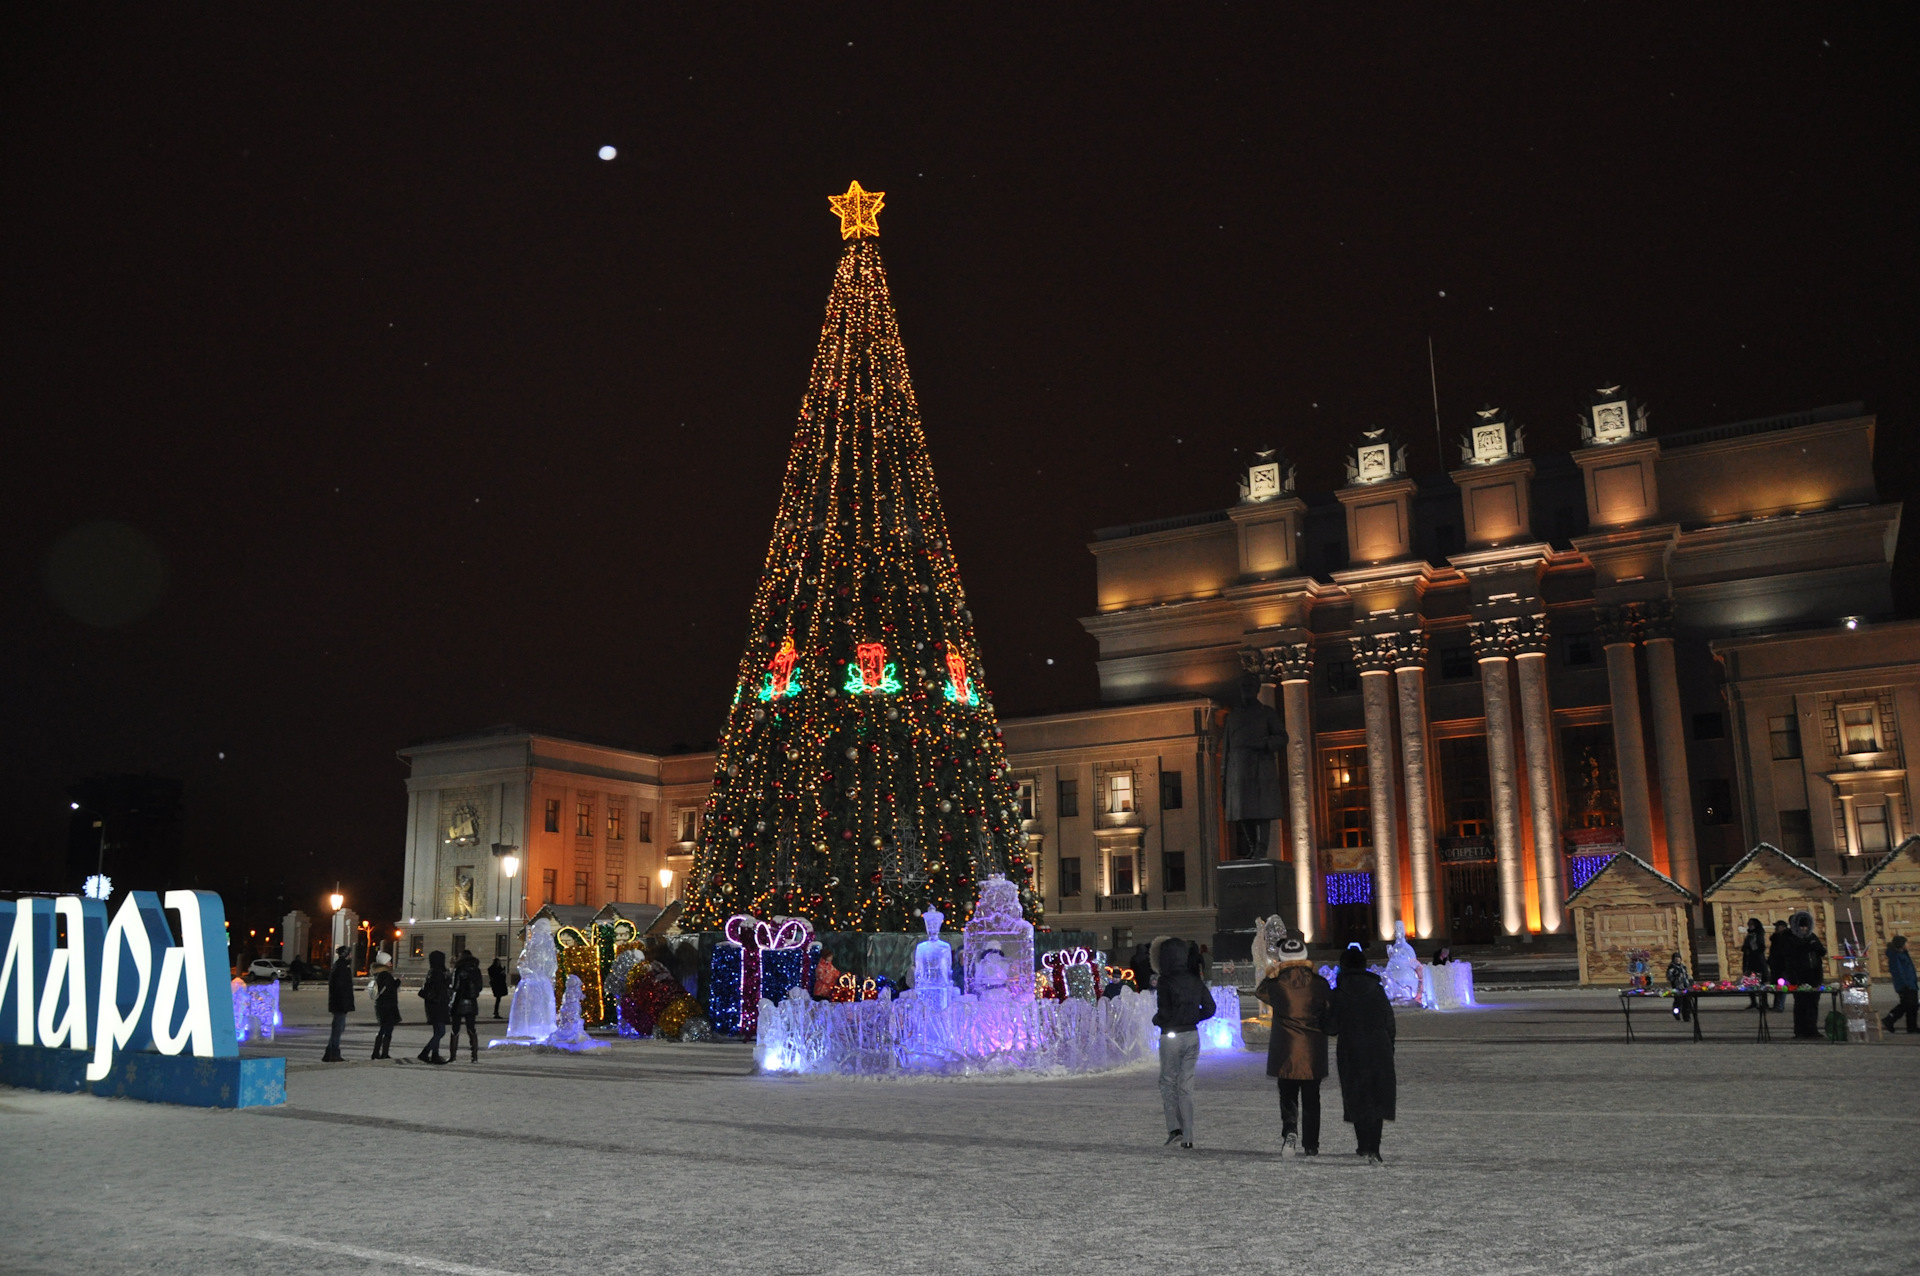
x: 98, y: 886
x: 336, y: 901
x: 510, y: 865
x: 666, y: 887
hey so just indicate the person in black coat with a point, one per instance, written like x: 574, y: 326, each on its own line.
x: 1777, y: 945
x: 467, y: 985
x: 1753, y: 958
x: 1806, y: 959
x: 386, y: 1005
x: 296, y: 971
x: 1362, y: 1019
x: 1183, y: 1002
x: 437, y: 992
x: 497, y: 984
x: 339, y: 1003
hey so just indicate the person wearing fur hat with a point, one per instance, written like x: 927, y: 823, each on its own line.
x: 1184, y: 1001
x: 1302, y: 1002
x: 386, y: 1004
x: 1363, y: 1020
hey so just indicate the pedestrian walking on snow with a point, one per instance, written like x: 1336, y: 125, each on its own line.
x: 1363, y: 1020
x: 1302, y: 1002
x: 437, y: 992
x: 296, y: 971
x: 1184, y: 1002
x: 1905, y: 985
x: 467, y: 985
x: 339, y: 1003
x: 386, y: 1005
x: 1753, y: 958
x: 497, y: 984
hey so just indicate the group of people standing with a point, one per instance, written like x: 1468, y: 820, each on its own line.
x: 1793, y: 954
x: 1306, y: 1011
x: 452, y: 999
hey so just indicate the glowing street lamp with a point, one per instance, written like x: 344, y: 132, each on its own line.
x: 666, y: 884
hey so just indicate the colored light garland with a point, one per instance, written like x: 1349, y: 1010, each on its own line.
x: 860, y: 732
x: 1349, y: 888
x: 1582, y: 869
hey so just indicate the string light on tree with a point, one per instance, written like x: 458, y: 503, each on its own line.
x: 860, y: 777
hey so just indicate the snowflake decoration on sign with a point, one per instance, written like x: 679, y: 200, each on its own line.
x: 98, y: 886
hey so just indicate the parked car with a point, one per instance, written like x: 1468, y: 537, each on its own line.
x: 269, y: 968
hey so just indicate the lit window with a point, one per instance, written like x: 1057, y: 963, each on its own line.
x: 553, y: 815
x: 616, y: 823
x: 1859, y: 733
x: 1348, y: 796
x: 1028, y: 800
x: 643, y: 826
x: 1120, y: 794
x: 689, y: 825
x: 1123, y: 875
x: 583, y: 819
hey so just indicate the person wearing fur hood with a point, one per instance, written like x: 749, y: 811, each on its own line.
x: 1184, y: 1001
x: 1302, y: 1002
x: 386, y: 1004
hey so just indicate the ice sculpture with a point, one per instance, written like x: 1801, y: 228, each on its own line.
x: 1267, y: 938
x: 530, y: 1017
x: 1223, y: 1031
x: 1402, y: 977
x: 256, y: 1010
x: 571, y: 1033
x: 933, y: 964
x: 997, y: 931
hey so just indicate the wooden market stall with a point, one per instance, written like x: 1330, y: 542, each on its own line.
x: 1889, y: 901
x: 1630, y: 904
x: 1770, y: 884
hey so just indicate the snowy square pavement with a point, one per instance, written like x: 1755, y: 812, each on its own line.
x: 1531, y: 1138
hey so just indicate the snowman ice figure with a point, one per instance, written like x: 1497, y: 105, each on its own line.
x: 933, y: 964
x: 991, y: 975
x: 1403, y: 969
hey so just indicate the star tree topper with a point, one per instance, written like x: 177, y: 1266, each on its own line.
x: 859, y: 211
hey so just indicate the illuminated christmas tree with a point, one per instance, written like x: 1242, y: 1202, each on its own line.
x: 860, y: 779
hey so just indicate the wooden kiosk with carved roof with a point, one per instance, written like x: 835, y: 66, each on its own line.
x: 1769, y: 884
x: 1630, y: 904
x: 1889, y: 898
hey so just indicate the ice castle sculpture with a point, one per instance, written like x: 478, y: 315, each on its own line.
x: 997, y: 1025
x: 998, y: 948
x: 530, y: 1017
x: 933, y: 965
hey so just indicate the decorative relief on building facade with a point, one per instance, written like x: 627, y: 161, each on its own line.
x: 1509, y: 636
x: 1390, y: 650
x: 1283, y: 662
x: 1615, y: 625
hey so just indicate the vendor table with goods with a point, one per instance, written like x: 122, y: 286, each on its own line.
x: 1699, y: 992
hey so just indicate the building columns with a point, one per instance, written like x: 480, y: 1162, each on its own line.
x: 1376, y: 699
x: 1536, y: 723
x: 1670, y: 739
x: 1490, y: 643
x: 1291, y: 666
x: 1410, y: 678
x: 1618, y: 631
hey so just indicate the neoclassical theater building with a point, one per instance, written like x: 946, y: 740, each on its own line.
x: 1674, y: 645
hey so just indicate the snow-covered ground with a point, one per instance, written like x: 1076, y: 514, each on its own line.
x: 1531, y: 1138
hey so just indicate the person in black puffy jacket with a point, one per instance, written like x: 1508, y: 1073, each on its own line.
x: 468, y: 983
x: 386, y: 1005
x: 339, y: 1003
x: 1184, y: 1002
x: 1363, y: 1021
x: 437, y: 993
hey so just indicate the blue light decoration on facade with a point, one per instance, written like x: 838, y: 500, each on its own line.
x: 1349, y: 888
x: 1582, y: 868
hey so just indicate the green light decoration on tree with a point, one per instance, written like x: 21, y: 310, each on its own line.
x: 824, y: 786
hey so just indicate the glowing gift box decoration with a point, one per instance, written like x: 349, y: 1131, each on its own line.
x: 757, y: 959
x: 1073, y: 972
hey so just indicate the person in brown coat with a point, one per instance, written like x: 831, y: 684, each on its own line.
x: 1297, y: 1051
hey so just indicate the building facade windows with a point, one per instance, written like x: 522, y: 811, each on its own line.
x: 1069, y: 798
x: 583, y: 819
x: 1341, y: 678
x: 1120, y: 793
x: 1576, y: 649
x: 1859, y: 728
x: 643, y: 826
x: 1348, y: 822
x: 553, y: 815
x: 1872, y: 819
x: 1171, y: 796
x: 417, y: 946
x: 1709, y: 726
x: 1173, y: 872
x: 1796, y: 833
x: 1717, y: 804
x: 1590, y: 777
x: 1121, y: 867
x: 1027, y: 799
x: 613, y: 886
x: 616, y: 823
x: 582, y: 887
x: 1784, y: 734
x: 1069, y: 877
x: 549, y: 882
x: 1458, y: 662
x: 1463, y: 785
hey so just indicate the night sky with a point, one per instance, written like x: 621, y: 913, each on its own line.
x: 407, y: 415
